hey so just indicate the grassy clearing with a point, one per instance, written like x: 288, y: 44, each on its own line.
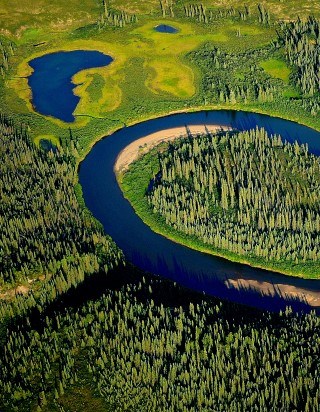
x: 26, y: 17
x: 168, y: 76
x: 277, y: 69
x: 98, y: 91
x: 52, y: 138
x: 291, y: 93
x: 284, y: 10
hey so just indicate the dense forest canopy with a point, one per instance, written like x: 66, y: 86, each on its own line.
x: 140, y: 350
x: 45, y: 233
x: 302, y: 45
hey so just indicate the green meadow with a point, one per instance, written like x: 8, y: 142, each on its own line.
x: 151, y: 74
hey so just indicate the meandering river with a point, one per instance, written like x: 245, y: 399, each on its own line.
x: 158, y: 255
x: 52, y: 92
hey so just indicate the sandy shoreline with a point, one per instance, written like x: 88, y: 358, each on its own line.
x: 140, y: 146
x: 312, y: 298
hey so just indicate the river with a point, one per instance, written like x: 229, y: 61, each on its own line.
x: 160, y: 256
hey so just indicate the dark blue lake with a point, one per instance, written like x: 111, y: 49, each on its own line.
x: 164, y: 28
x: 158, y: 255
x: 50, y: 82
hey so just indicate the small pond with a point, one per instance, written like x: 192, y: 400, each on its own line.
x: 51, y: 80
x: 48, y: 146
x: 164, y: 28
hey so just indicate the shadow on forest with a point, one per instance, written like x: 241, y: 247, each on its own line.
x: 172, y: 293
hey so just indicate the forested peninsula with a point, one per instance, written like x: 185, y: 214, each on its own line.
x: 245, y: 196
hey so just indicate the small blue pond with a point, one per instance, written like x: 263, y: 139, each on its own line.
x: 51, y: 85
x: 163, y: 28
x: 48, y: 146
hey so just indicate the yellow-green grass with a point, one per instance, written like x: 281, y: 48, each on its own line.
x: 247, y: 30
x: 162, y: 54
x: 51, y: 137
x: 169, y: 75
x: 98, y: 90
x: 53, y: 16
x: 291, y: 92
x: 276, y: 68
x: 190, y: 35
x: 61, y: 15
x: 150, y: 7
x: 284, y: 10
x: 280, y: 9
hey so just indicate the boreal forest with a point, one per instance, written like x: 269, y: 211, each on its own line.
x: 249, y: 193
x: 187, y: 278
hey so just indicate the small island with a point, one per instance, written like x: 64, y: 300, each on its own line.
x: 244, y: 196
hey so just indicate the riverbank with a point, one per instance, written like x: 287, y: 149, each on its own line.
x: 143, y: 145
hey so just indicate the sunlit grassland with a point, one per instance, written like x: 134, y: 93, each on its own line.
x: 103, y: 91
x: 277, y: 68
x: 168, y: 75
x: 59, y: 15
x: 98, y: 90
x: 150, y: 75
x: 280, y: 9
x: 51, y: 137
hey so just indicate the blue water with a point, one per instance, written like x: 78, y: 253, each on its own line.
x: 48, y: 146
x: 160, y: 256
x: 163, y: 28
x: 50, y: 82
